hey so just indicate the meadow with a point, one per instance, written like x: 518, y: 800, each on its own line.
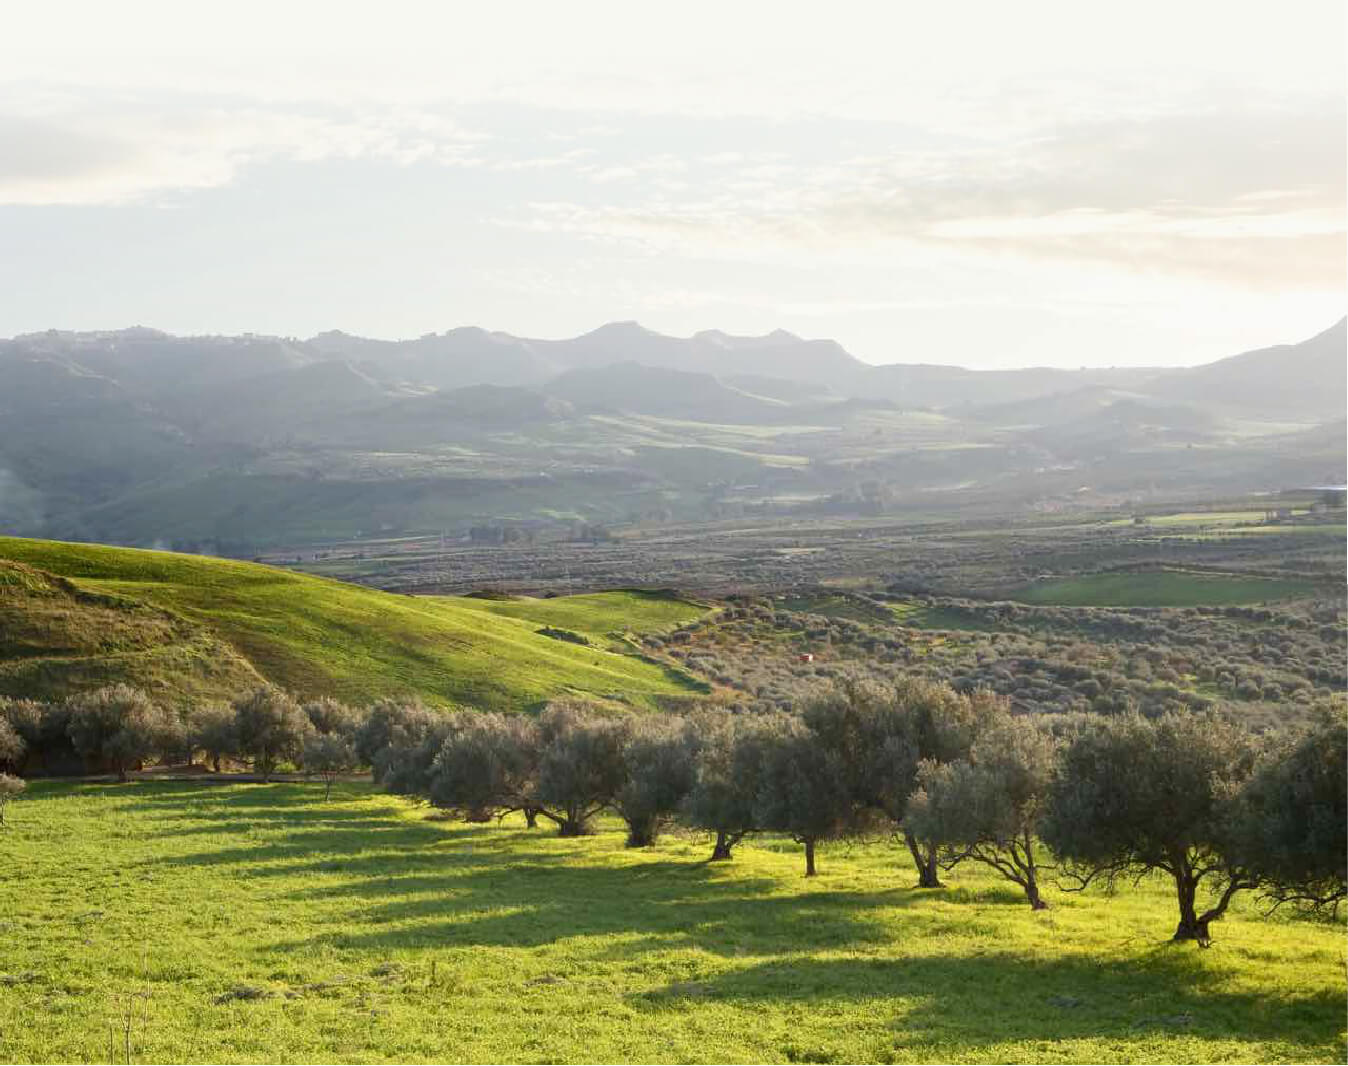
x: 254, y: 923
x: 193, y: 627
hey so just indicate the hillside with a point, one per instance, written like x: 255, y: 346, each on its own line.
x: 77, y: 615
x: 1305, y: 380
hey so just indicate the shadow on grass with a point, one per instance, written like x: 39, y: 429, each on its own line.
x: 972, y: 1002
x: 399, y: 883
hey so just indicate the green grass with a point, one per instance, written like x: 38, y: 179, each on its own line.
x: 1160, y: 588
x: 369, y: 933
x: 317, y: 636
x: 594, y: 614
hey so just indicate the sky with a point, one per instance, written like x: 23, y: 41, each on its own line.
x: 986, y: 184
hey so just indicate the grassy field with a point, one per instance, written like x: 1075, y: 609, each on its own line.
x: 593, y: 614
x: 189, y: 626
x: 1160, y: 588
x: 259, y: 923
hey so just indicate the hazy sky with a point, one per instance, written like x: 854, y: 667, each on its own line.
x: 991, y: 184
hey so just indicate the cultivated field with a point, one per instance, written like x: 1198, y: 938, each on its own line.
x: 1161, y: 588
x: 258, y: 923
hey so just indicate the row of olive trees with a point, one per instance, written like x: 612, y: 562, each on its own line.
x: 956, y: 776
x: 119, y: 728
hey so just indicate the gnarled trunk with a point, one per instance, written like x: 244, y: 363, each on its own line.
x: 1032, y: 893
x: 924, y: 858
x: 722, y: 851
x: 809, y: 858
x: 531, y: 817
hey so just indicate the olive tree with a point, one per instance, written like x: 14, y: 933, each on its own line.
x: 803, y: 790
x: 1135, y: 795
x: 42, y: 727
x: 271, y: 727
x: 10, y: 786
x: 580, y: 766
x: 726, y: 777
x: 117, y: 726
x: 12, y: 745
x: 405, y: 765
x: 879, y: 736
x: 388, y: 725
x: 988, y: 807
x: 1290, y: 824
x: 212, y: 729
x: 658, y: 757
x: 488, y: 764
x: 331, y: 716
x: 328, y: 754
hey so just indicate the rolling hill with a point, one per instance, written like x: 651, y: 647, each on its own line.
x: 186, y: 627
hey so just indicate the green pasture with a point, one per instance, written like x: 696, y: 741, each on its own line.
x: 1160, y: 588
x: 257, y: 923
x: 322, y: 637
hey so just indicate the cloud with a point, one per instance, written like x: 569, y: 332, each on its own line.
x: 123, y: 152
x: 1253, y: 197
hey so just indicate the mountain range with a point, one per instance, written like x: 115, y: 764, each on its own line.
x: 138, y: 436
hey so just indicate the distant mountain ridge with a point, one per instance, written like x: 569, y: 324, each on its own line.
x: 1288, y: 377
x: 138, y: 436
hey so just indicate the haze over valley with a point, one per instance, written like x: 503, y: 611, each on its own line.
x: 235, y: 444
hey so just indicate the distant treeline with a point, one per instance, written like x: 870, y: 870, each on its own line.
x: 956, y: 776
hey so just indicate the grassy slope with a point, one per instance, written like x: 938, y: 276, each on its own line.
x: 376, y: 935
x: 593, y: 614
x: 1166, y: 588
x: 317, y: 636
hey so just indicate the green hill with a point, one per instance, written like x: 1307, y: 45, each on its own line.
x: 186, y: 626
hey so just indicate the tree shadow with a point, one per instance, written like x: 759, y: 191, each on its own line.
x: 530, y: 904
x: 967, y: 1003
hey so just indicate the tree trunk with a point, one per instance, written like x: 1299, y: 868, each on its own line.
x: 1191, y: 926
x: 531, y: 817
x: 327, y: 788
x: 569, y: 827
x: 215, y: 762
x: 924, y: 858
x: 641, y: 833
x: 721, y: 852
x: 1032, y: 893
x: 809, y: 858
x: 121, y: 772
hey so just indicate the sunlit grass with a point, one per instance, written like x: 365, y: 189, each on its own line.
x: 322, y: 637
x: 265, y: 925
